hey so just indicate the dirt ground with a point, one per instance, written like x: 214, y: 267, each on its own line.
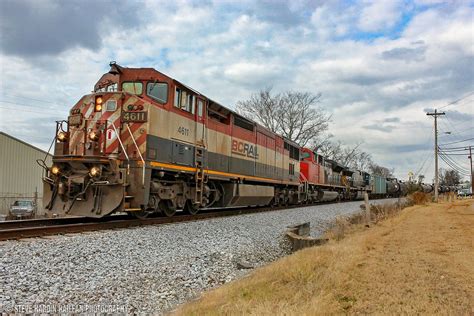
x: 418, y: 262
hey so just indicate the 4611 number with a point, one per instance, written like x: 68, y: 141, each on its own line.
x: 133, y: 116
x: 183, y: 131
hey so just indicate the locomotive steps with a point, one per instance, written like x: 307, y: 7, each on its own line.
x: 416, y: 262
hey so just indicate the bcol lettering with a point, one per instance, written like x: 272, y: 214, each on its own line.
x: 244, y: 149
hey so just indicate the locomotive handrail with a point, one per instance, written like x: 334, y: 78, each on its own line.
x: 120, y: 142
x: 139, y: 153
x: 123, y: 149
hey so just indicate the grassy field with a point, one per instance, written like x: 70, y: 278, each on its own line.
x: 418, y: 261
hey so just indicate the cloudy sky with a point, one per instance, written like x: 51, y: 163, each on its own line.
x: 380, y: 65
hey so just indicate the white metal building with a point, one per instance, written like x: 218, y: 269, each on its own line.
x: 20, y: 175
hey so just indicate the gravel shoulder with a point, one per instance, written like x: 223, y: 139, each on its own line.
x: 417, y: 262
x: 148, y: 269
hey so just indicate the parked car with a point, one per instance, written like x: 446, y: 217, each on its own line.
x: 22, y: 209
x: 464, y: 192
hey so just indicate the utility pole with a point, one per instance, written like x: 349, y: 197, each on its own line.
x: 472, y: 176
x: 436, y: 114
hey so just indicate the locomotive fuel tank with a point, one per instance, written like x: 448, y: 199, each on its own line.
x: 327, y: 196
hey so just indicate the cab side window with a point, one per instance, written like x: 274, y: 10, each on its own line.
x: 200, y: 108
x: 157, y: 91
x: 184, y: 100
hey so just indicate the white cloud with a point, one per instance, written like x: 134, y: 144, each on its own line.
x: 226, y: 51
x: 379, y: 15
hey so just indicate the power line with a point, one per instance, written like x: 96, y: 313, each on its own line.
x: 454, y: 162
x: 456, y: 130
x: 422, y: 165
x: 427, y: 156
x: 23, y: 104
x: 450, y: 154
x: 460, y: 147
x: 470, y: 123
x: 453, y: 166
x: 430, y: 163
x: 28, y: 98
x: 461, y: 141
x: 455, y: 133
x: 23, y: 110
x: 471, y: 129
x: 463, y: 104
x: 447, y: 149
x: 456, y: 101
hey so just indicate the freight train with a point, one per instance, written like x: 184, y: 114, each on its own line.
x: 145, y: 143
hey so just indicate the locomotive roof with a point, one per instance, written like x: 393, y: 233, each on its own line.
x: 116, y: 69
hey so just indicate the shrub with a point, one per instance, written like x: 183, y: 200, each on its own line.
x: 419, y: 198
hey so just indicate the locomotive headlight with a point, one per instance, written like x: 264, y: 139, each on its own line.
x: 95, y: 171
x: 55, y: 170
x: 94, y: 136
x: 62, y: 136
x: 98, y: 104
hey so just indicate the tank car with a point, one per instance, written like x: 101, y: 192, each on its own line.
x: 426, y: 188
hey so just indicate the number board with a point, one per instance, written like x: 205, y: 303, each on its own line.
x: 133, y: 117
x: 75, y: 120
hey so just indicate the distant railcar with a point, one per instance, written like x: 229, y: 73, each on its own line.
x: 379, y: 186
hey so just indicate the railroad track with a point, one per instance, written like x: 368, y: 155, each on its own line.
x: 46, y: 227
x: 19, y: 229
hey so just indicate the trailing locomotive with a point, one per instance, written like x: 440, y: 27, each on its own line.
x: 145, y: 143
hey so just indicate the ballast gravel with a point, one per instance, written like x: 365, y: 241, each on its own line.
x: 149, y: 269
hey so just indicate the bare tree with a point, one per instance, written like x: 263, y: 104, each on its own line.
x: 292, y: 114
x: 329, y: 149
x: 363, y: 161
x: 297, y: 116
x: 350, y: 156
x: 380, y: 170
x: 263, y: 108
x: 449, y: 177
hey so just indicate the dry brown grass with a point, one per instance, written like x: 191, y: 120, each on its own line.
x: 417, y: 262
x: 379, y: 212
x: 420, y: 198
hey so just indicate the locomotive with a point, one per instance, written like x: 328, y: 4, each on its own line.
x: 145, y: 143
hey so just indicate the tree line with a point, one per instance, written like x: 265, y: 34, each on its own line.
x: 299, y: 117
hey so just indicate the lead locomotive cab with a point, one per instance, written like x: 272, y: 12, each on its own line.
x: 99, y: 151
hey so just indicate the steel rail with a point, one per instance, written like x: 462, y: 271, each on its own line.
x: 39, y: 231
x: 38, y: 222
x: 46, y: 227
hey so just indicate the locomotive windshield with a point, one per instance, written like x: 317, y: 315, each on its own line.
x: 132, y: 87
